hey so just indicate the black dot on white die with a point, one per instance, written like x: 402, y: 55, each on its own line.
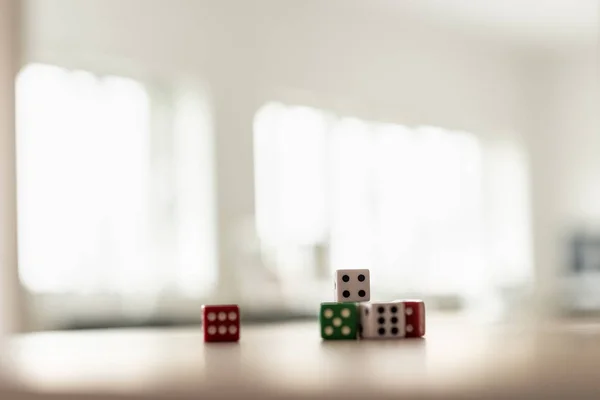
x: 346, y: 293
x: 381, y: 331
x: 362, y: 293
x: 361, y: 278
x: 380, y: 310
x: 345, y: 278
x: 394, y: 309
x: 366, y: 311
x: 394, y: 331
x: 394, y: 320
x: 381, y: 320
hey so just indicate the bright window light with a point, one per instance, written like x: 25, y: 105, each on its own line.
x: 111, y: 201
x: 82, y: 162
x: 408, y: 203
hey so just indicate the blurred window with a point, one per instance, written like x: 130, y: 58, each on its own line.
x: 408, y: 203
x: 112, y: 201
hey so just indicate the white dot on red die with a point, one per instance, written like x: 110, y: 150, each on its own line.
x: 409, y: 311
x: 222, y: 316
x: 337, y: 322
x: 212, y: 330
x: 233, y: 329
x: 345, y: 313
x: 222, y: 330
x: 409, y: 328
x: 232, y: 316
x: 328, y: 313
x: 211, y: 316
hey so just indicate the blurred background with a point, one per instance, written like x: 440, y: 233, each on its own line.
x: 175, y: 153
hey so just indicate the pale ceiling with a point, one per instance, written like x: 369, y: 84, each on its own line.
x: 528, y: 21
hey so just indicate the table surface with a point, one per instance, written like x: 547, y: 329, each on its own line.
x: 457, y: 359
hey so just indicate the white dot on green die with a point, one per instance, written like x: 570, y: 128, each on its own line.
x: 328, y: 331
x: 328, y: 313
x: 346, y: 330
x: 337, y: 322
x: 345, y: 313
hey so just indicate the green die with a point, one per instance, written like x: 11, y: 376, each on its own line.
x: 339, y: 321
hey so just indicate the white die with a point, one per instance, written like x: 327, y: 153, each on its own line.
x: 382, y: 320
x: 352, y: 285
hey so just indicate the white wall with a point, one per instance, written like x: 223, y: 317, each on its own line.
x: 563, y: 135
x: 578, y: 118
x: 9, y: 43
x: 385, y: 64
x: 375, y: 62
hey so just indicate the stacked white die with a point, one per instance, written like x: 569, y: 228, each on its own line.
x: 378, y: 320
x: 352, y: 285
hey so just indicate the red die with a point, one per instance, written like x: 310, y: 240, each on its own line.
x: 221, y: 323
x: 414, y: 311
